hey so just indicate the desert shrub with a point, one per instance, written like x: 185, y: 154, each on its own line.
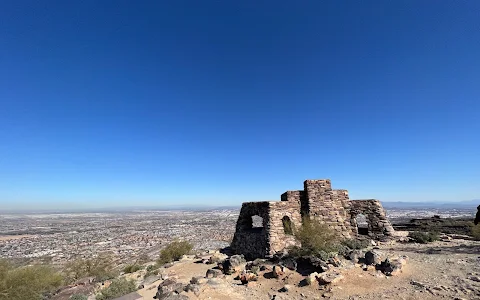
x: 356, y: 243
x: 316, y: 239
x: 78, y: 297
x: 100, y: 267
x: 27, y: 282
x: 117, y: 288
x: 151, y: 267
x: 151, y: 273
x: 132, y: 268
x: 143, y: 259
x: 174, y: 251
x: 475, y: 231
x: 423, y: 237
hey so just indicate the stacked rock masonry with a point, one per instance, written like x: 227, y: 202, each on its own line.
x: 276, y: 220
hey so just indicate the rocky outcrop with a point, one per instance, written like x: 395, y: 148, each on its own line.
x: 170, y: 290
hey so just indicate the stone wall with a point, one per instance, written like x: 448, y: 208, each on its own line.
x: 252, y: 242
x: 378, y: 224
x: 329, y: 206
x: 279, y: 210
x: 318, y: 200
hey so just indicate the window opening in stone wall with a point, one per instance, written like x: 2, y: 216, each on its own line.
x: 257, y: 223
x: 362, y: 224
x: 287, y: 225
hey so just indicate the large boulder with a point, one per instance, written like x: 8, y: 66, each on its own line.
x: 392, y: 268
x: 213, y: 273
x: 246, y: 277
x: 217, y: 258
x: 289, y: 262
x: 329, y: 277
x: 170, y: 290
x: 309, y: 264
x: 236, y: 263
x: 311, y: 278
x: 194, y: 288
x: 372, y: 258
x: 355, y: 255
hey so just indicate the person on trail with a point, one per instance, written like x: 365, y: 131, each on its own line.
x: 477, y: 216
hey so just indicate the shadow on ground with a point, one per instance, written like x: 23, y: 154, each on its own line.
x: 463, y: 249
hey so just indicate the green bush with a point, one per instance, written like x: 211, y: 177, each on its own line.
x: 151, y: 273
x: 27, y: 282
x: 78, y: 297
x: 475, y: 231
x: 174, y: 251
x: 117, y: 288
x: 143, y: 259
x: 151, y: 267
x: 316, y: 239
x: 356, y: 244
x: 423, y: 237
x: 132, y: 268
x: 100, y: 267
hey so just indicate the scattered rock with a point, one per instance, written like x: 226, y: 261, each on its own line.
x: 312, y: 263
x: 372, y: 258
x: 247, y: 277
x: 474, y: 278
x: 234, y: 264
x: 289, y: 262
x: 151, y: 279
x: 391, y: 268
x: 334, y: 261
x: 198, y: 280
x: 278, y: 271
x: 311, y: 278
x: 176, y: 297
x: 213, y: 273
x: 195, y: 288
x: 169, y: 290
x: 264, y: 268
x: 418, y: 284
x: 217, y: 258
x: 168, y: 265
x: 329, y: 277
x: 285, y: 288
x: 327, y: 295
x: 355, y: 255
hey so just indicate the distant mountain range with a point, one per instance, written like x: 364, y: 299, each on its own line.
x: 460, y: 204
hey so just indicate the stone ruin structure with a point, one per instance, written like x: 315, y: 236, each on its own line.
x: 317, y: 201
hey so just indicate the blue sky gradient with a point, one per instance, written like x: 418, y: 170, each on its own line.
x: 120, y: 103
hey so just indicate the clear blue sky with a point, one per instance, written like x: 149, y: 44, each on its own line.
x: 125, y: 103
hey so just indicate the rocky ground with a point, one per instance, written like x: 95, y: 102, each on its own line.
x: 447, y: 269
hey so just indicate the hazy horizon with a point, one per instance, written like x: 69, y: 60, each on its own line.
x: 199, y: 206
x: 166, y: 102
